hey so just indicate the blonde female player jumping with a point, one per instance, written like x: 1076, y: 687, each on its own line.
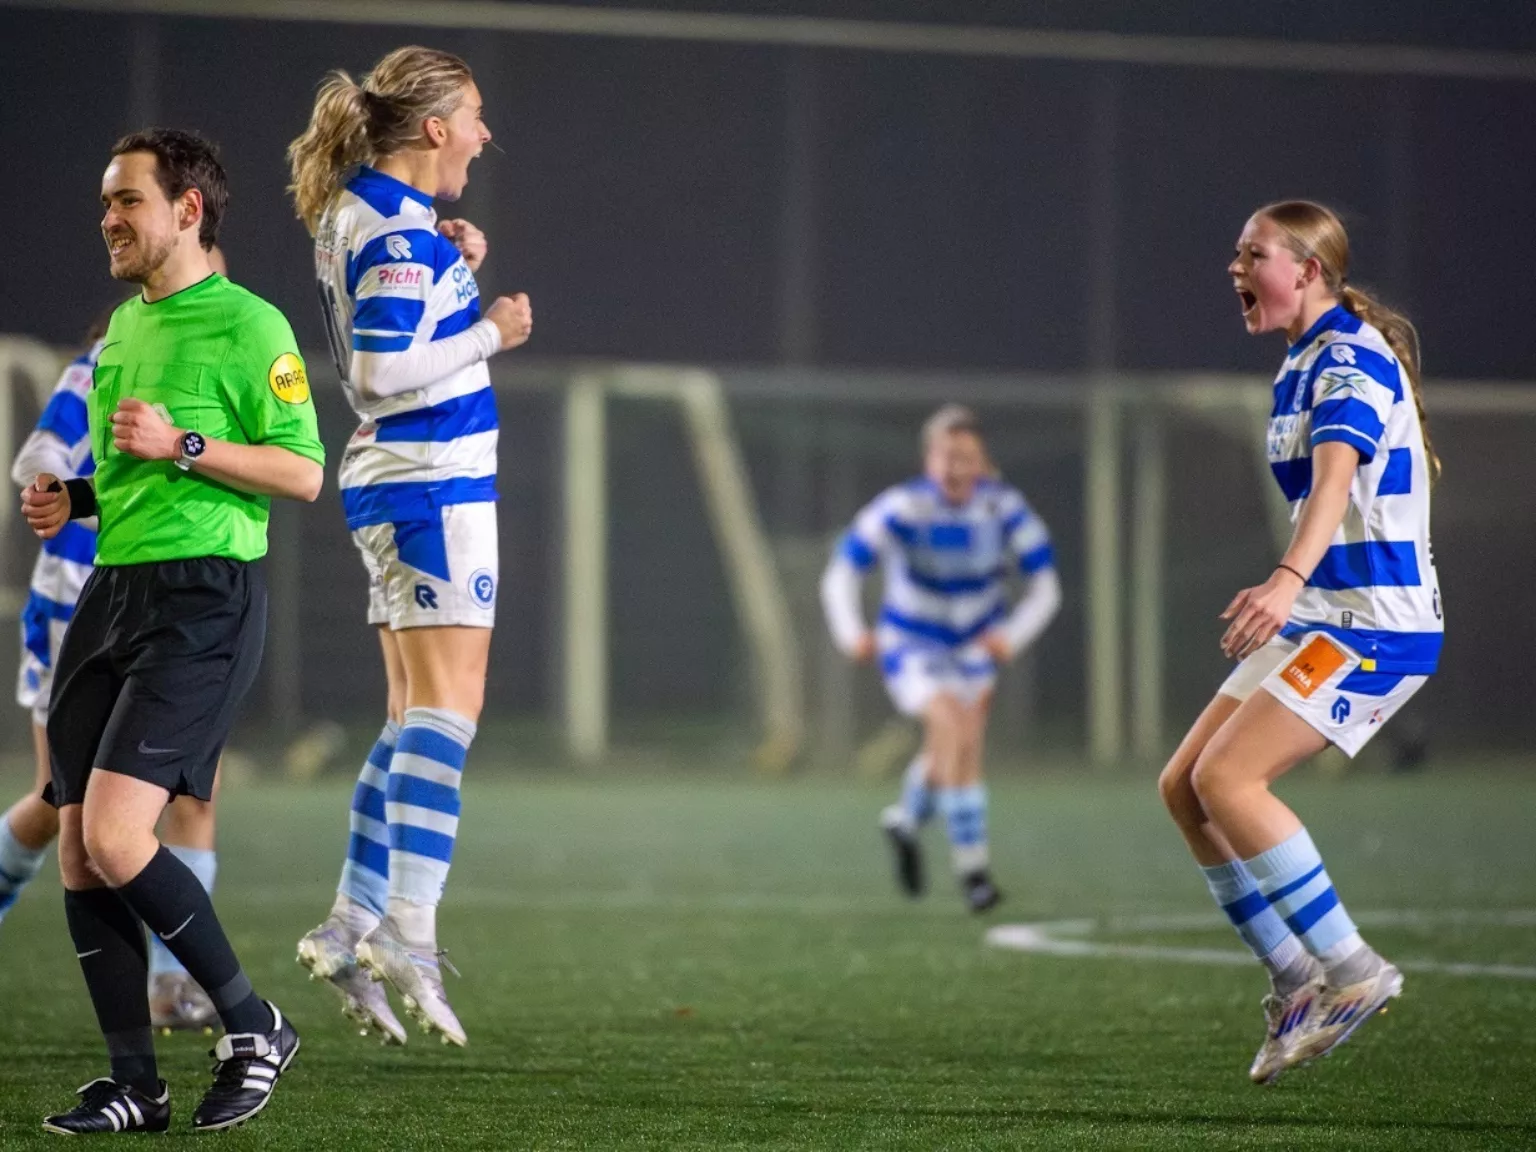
x: 1345, y: 629
x: 947, y: 541
x: 418, y: 482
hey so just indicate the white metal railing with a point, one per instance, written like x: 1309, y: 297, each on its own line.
x: 888, y: 36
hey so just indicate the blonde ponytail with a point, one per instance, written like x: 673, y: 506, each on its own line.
x: 1314, y: 232
x: 336, y: 139
x: 356, y: 123
x: 1403, y: 338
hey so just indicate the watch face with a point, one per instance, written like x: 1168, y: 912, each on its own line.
x: 192, y: 444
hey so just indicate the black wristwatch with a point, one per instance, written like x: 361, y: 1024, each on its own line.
x: 192, y: 447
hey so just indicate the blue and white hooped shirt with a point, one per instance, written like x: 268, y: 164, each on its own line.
x: 945, y: 565
x: 66, y: 561
x: 389, y: 281
x: 1375, y: 588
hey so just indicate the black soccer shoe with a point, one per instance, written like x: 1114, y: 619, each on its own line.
x: 245, y: 1074
x: 107, y: 1106
x: 979, y: 891
x: 908, y: 854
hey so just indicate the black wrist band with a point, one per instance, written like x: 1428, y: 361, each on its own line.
x: 1292, y: 571
x: 82, y: 499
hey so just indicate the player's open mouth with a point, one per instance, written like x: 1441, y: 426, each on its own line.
x: 116, y: 245
x: 1249, y: 301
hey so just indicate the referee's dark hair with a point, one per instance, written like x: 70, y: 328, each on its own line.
x: 185, y: 160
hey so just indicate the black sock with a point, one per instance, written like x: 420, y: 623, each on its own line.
x: 109, y: 940
x: 169, y: 898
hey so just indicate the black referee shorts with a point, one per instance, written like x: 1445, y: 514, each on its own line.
x: 152, y: 671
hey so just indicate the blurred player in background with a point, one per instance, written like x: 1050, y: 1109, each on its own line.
x: 947, y: 541
x: 60, y: 445
x: 1347, y: 627
x: 418, y: 479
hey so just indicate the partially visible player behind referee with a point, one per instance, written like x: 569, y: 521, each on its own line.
x: 199, y: 413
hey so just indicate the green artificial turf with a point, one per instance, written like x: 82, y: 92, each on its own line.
x: 690, y: 962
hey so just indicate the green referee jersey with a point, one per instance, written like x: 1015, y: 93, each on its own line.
x: 217, y: 360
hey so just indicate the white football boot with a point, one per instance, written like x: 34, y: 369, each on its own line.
x: 415, y: 971
x: 329, y: 954
x: 1283, y: 1015
x: 1337, y: 1012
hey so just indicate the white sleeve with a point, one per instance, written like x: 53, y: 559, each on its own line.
x: 42, y: 452
x: 840, y: 601
x: 1029, y: 542
x: 1035, y: 609
x: 859, y: 550
x: 376, y: 375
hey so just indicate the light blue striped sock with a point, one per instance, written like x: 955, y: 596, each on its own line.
x: 1292, y: 877
x: 422, y: 803
x: 365, y: 875
x: 916, y: 793
x: 1260, y: 926
x: 204, y: 863
x: 965, y: 817
x: 18, y: 864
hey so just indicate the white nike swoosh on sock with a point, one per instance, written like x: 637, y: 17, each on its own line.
x: 184, y: 923
x: 83, y: 955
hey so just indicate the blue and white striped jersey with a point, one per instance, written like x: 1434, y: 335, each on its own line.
x: 60, y: 444
x: 1375, y: 588
x: 944, y: 565
x: 394, y: 291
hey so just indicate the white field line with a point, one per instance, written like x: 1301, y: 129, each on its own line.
x: 1074, y: 938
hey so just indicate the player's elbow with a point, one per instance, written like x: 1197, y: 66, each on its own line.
x: 376, y: 375
x: 829, y: 583
x: 309, y: 478
x: 839, y: 584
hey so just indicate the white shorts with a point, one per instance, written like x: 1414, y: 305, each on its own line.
x: 34, y: 681
x: 1319, y: 679
x: 914, y: 676
x: 423, y: 574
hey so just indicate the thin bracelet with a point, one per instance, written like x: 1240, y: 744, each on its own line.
x: 1292, y: 571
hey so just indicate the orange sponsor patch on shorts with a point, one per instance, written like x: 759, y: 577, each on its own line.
x: 1310, y: 668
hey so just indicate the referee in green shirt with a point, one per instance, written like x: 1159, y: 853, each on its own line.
x: 200, y: 413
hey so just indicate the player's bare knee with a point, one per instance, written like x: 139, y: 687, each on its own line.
x: 1175, y: 786
x: 117, y: 850
x: 74, y: 863
x: 1216, y: 775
